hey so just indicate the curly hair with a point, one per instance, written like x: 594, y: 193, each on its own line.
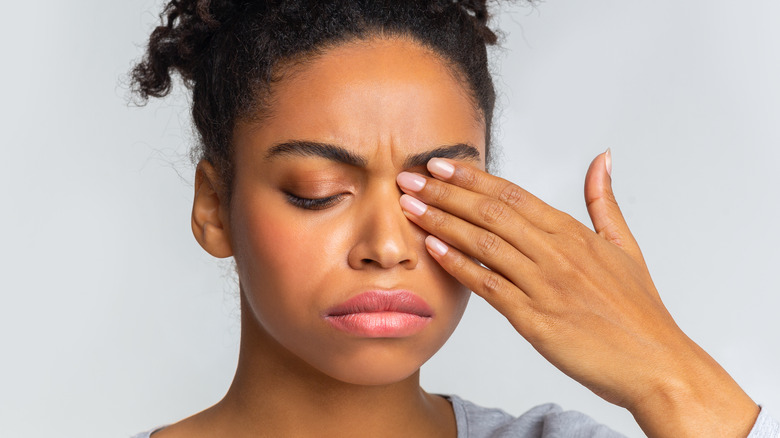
x: 228, y: 52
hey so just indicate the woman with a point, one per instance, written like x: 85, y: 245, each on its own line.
x: 344, y: 148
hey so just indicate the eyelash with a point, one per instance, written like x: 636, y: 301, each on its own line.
x: 313, y: 204
x: 320, y: 203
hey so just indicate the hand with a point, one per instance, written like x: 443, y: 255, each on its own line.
x: 585, y: 300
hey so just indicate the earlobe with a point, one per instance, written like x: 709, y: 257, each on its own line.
x: 209, y: 221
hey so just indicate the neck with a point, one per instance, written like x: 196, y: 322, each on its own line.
x: 275, y: 393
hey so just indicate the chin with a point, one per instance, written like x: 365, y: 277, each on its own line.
x: 375, y: 366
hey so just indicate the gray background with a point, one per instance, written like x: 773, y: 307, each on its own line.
x: 113, y: 320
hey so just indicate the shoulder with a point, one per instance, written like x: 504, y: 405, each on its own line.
x: 544, y: 421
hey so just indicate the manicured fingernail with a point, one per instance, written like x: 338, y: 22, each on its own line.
x: 413, y: 205
x: 440, y: 168
x: 436, y: 245
x: 411, y: 181
x: 608, y: 161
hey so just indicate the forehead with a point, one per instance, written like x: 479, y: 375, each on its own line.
x: 385, y: 97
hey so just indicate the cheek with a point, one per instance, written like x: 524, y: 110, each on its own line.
x: 284, y: 261
x: 456, y: 297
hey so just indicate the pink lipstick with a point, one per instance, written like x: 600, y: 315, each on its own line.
x: 381, y: 314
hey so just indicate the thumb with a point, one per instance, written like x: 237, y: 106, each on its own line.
x: 603, y: 209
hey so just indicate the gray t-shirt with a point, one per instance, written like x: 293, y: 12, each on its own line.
x: 545, y: 421
x: 550, y: 421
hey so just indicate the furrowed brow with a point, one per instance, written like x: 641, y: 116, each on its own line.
x: 316, y: 149
x: 461, y: 151
x: 331, y: 152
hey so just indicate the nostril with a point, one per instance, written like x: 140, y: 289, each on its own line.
x: 375, y: 262
x: 386, y: 263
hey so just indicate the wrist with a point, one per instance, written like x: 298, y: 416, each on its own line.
x: 695, y: 397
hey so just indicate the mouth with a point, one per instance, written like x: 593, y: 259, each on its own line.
x: 381, y: 314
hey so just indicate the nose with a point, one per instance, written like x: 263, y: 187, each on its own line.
x: 385, y: 238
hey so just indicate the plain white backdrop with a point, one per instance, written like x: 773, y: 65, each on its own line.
x: 113, y: 320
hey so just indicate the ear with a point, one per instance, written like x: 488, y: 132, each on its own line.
x: 209, y: 214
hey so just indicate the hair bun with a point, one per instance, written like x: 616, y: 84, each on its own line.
x: 179, y: 43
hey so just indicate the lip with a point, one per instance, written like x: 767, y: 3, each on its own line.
x: 381, y: 314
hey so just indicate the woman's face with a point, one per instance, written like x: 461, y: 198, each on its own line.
x: 342, y: 126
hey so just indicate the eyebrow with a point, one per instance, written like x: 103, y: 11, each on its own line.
x: 463, y: 151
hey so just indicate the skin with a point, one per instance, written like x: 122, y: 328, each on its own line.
x: 583, y: 299
x: 383, y: 100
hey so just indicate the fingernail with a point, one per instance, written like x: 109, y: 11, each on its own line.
x: 413, y: 205
x: 410, y: 181
x: 436, y: 245
x: 440, y: 168
x: 608, y: 161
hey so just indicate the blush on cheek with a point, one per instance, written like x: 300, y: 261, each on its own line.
x: 276, y: 248
x: 289, y: 247
x: 286, y: 260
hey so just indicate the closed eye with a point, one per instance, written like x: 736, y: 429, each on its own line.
x: 313, y: 203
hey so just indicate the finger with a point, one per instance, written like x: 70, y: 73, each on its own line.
x: 499, y: 292
x: 476, y: 180
x: 608, y: 220
x: 483, y: 245
x: 479, y: 209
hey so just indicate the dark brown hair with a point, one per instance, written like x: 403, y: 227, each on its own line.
x: 226, y: 51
